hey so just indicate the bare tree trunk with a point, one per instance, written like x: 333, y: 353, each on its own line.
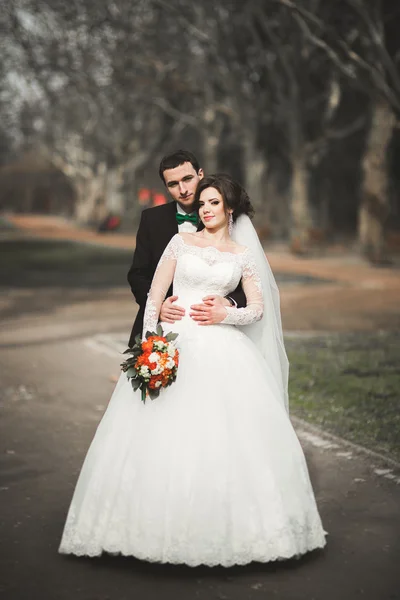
x: 374, y: 208
x: 88, y: 180
x: 277, y: 204
x: 114, y: 196
x: 300, y: 207
x: 90, y: 204
x: 301, y: 219
x: 211, y: 130
x: 255, y: 170
x: 210, y: 151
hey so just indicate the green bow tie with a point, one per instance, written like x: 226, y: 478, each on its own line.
x: 182, y: 218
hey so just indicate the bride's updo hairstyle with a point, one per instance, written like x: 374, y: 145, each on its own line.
x: 233, y: 194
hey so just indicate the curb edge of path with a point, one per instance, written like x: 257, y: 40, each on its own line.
x: 323, y: 434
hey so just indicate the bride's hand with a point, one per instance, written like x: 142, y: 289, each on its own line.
x: 171, y: 312
x: 209, y: 314
x: 213, y: 300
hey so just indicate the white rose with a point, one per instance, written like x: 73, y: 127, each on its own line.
x: 154, y: 357
x: 158, y: 369
x: 145, y: 372
x: 157, y: 384
x: 171, y: 350
x: 159, y: 345
x: 170, y: 364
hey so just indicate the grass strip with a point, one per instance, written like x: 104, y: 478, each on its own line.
x: 349, y: 385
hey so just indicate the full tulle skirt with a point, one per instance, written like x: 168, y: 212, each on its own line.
x: 211, y: 472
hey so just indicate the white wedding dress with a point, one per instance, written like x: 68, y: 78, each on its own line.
x: 210, y: 472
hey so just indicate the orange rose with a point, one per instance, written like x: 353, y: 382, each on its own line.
x: 153, y: 381
x: 147, y: 346
x: 143, y: 359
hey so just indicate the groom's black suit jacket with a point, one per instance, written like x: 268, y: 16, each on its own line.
x: 157, y: 226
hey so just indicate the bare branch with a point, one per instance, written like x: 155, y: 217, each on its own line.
x: 344, y: 132
x: 201, y: 35
x: 301, y: 10
x: 175, y: 112
x: 336, y: 59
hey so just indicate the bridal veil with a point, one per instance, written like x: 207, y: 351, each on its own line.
x: 266, y: 334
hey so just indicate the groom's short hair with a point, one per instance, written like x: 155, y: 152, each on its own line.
x: 175, y: 160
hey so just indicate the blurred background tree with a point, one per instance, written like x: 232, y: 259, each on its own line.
x: 299, y: 100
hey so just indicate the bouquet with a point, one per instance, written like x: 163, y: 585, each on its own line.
x: 153, y: 364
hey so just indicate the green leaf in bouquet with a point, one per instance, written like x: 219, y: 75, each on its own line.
x: 131, y: 372
x: 154, y: 393
x: 170, y: 337
x: 159, y: 330
x: 138, y: 340
x: 143, y: 390
x: 135, y: 384
x: 150, y: 334
x: 130, y: 361
x: 135, y: 350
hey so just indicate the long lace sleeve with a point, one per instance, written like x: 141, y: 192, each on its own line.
x: 162, y: 279
x: 252, y: 288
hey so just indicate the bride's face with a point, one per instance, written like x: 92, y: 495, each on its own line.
x: 212, y: 209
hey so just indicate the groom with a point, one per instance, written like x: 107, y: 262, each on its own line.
x: 181, y: 174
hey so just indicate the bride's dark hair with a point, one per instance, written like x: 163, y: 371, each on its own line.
x: 234, y: 195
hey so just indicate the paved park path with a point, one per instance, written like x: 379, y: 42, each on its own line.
x: 58, y: 368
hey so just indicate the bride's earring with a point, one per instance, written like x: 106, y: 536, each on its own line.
x: 230, y: 224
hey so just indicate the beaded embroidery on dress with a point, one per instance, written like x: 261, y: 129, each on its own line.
x: 211, y: 472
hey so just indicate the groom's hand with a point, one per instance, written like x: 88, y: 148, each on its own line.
x: 211, y: 312
x: 213, y: 300
x: 171, y: 312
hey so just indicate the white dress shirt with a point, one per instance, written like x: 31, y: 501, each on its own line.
x: 186, y: 226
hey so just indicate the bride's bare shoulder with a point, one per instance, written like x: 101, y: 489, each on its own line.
x: 237, y: 248
x: 188, y: 237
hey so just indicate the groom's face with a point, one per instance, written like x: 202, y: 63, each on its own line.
x: 181, y: 183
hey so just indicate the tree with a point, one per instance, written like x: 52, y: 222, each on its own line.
x: 89, y: 61
x: 354, y: 38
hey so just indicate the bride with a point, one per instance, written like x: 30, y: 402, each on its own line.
x: 210, y: 472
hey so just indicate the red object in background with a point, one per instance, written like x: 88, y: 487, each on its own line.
x: 110, y: 223
x: 158, y: 199
x: 113, y: 222
x: 144, y: 196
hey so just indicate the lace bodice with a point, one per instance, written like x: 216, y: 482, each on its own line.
x: 199, y: 271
